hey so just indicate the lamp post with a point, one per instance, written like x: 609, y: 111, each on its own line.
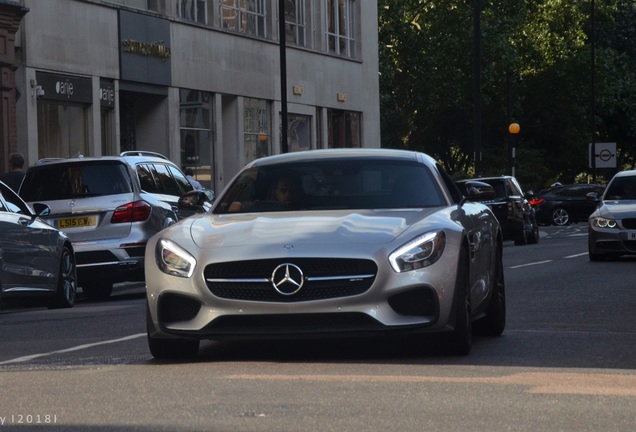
x: 514, y: 129
x: 283, y: 76
x: 477, y: 85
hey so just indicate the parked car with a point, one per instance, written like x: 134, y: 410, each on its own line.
x: 372, y: 241
x: 511, y: 207
x: 612, y: 226
x: 110, y: 207
x: 565, y: 204
x: 36, y: 260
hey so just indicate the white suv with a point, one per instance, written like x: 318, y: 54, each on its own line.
x: 109, y: 207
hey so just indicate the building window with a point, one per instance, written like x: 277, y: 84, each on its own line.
x: 299, y: 133
x: 340, y: 27
x: 107, y: 123
x: 344, y: 129
x: 150, y: 5
x: 196, y: 124
x: 295, y: 22
x: 194, y: 10
x: 244, y: 16
x: 257, y: 128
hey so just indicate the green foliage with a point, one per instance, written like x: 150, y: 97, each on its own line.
x: 536, y: 68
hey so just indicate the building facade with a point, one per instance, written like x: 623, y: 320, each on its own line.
x: 196, y: 80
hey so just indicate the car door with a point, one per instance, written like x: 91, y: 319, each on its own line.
x: 12, y: 256
x: 28, y: 258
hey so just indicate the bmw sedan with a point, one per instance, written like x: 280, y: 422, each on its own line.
x: 565, y: 204
x: 612, y: 226
x: 328, y: 243
x: 36, y: 260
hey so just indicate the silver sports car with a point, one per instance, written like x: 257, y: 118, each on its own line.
x: 326, y: 243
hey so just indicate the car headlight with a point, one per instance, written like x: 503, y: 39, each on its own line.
x: 603, y: 222
x: 421, y: 252
x: 173, y: 259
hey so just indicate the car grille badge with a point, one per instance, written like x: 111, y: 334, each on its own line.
x: 287, y: 279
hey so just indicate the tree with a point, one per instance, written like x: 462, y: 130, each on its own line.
x: 536, y: 69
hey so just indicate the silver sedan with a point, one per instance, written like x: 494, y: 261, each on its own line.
x: 328, y: 243
x: 612, y: 226
x: 36, y: 260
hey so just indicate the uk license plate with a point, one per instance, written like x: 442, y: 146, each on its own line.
x: 76, y: 222
x: 631, y: 235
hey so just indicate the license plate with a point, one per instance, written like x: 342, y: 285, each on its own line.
x: 76, y: 222
x: 631, y: 235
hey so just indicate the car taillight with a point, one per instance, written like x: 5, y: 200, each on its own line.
x: 536, y: 201
x: 137, y: 211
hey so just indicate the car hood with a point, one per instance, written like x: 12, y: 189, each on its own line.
x: 619, y: 209
x: 333, y: 227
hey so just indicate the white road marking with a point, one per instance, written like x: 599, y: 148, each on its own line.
x: 547, y: 261
x: 530, y: 264
x: 75, y: 348
x: 577, y: 255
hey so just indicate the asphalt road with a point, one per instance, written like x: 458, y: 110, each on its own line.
x: 565, y: 363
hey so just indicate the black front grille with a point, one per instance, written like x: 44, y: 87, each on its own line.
x: 324, y: 278
x: 292, y: 324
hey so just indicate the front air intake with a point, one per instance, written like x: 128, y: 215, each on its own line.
x: 176, y: 307
x: 420, y: 302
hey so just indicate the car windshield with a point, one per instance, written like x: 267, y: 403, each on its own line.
x: 65, y: 181
x: 622, y: 188
x: 332, y: 185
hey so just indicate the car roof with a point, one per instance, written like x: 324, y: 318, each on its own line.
x: 492, y: 178
x: 132, y: 158
x: 357, y: 153
x: 626, y: 173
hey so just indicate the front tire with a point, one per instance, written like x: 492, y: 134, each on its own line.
x: 494, y: 323
x: 66, y: 291
x: 594, y: 257
x: 461, y: 338
x: 533, y: 237
x: 521, y: 238
x: 169, y: 349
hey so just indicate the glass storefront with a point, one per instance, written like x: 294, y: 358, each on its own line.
x: 344, y: 129
x: 62, y: 130
x: 299, y: 133
x: 196, y: 121
x: 257, y: 128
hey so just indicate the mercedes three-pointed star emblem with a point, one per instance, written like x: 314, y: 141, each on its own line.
x: 287, y: 279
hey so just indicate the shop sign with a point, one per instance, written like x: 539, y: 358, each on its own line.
x: 65, y: 88
x: 106, y: 94
x: 144, y: 47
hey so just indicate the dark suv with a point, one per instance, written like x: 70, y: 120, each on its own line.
x: 513, y: 211
x: 109, y: 207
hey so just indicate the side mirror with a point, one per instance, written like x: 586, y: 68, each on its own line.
x: 197, y: 201
x: 592, y: 196
x: 478, y: 191
x: 41, y: 210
